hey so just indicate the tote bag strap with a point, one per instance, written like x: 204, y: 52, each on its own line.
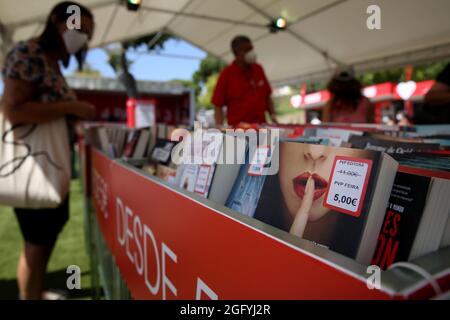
x: 11, y: 166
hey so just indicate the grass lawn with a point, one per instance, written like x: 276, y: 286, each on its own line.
x: 70, y: 250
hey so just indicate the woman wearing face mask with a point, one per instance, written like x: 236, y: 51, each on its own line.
x: 36, y: 92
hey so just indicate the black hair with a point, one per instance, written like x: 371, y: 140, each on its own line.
x: 238, y: 41
x: 50, y: 40
x: 345, y: 90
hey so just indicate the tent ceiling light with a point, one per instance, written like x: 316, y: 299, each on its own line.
x: 134, y: 5
x: 277, y: 25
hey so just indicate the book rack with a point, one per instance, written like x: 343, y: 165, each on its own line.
x: 170, y: 244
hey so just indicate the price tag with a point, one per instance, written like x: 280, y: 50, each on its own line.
x: 188, y: 177
x: 202, y: 179
x: 145, y: 115
x: 348, y: 184
x: 161, y: 155
x: 258, y: 161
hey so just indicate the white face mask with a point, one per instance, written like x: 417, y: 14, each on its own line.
x: 74, y: 40
x: 250, y: 57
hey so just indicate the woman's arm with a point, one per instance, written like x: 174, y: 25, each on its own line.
x: 18, y: 106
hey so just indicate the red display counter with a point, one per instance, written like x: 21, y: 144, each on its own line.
x: 170, y: 244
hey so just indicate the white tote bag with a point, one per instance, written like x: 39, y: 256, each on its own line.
x: 34, y: 164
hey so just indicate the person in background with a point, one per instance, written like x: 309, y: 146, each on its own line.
x: 437, y: 101
x: 347, y: 103
x: 243, y: 88
x: 36, y: 92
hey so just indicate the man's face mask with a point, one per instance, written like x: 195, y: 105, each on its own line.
x: 74, y: 40
x: 250, y: 57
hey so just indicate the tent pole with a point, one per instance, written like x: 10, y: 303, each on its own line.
x: 325, y: 54
x: 203, y: 17
x: 319, y: 10
x: 175, y: 16
x: 43, y: 18
x: 110, y: 22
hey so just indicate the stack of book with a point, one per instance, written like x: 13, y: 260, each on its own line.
x: 377, y: 194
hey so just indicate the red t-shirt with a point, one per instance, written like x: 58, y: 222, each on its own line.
x: 244, y: 92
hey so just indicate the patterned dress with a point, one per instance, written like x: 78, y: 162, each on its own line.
x: 26, y: 61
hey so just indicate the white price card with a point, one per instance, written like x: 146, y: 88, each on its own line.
x: 189, y: 177
x: 203, y: 177
x: 259, y: 160
x: 348, y: 184
x: 161, y: 155
x: 144, y: 114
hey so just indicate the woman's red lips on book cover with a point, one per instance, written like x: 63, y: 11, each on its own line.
x: 320, y: 185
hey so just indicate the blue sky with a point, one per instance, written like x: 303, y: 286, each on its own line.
x: 152, y: 66
x: 149, y: 66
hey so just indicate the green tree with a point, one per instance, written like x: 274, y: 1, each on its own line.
x: 87, y: 71
x: 121, y: 64
x: 204, y: 99
x: 209, y: 66
x: 185, y: 83
x: 422, y: 72
x: 205, y: 78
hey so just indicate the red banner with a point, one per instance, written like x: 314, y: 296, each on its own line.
x: 168, y: 246
x: 101, y: 180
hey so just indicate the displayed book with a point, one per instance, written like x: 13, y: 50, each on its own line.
x: 166, y: 173
x: 104, y: 141
x: 226, y: 170
x: 390, y: 145
x: 120, y: 139
x: 334, y: 197
x: 187, y: 176
x: 197, y: 169
x: 140, y: 150
x: 244, y: 195
x: 425, y: 160
x: 211, y: 171
x: 445, y: 241
x: 153, y: 137
x: 132, y: 141
x: 246, y: 189
x: 335, y: 136
x: 444, y: 143
x: 430, y: 131
x: 375, y: 127
x: 161, y: 132
x: 416, y: 217
x: 162, y: 151
x: 310, y: 140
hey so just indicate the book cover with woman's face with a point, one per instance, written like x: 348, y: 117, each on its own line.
x: 283, y: 194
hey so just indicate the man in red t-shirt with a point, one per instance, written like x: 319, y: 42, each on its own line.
x: 243, y: 87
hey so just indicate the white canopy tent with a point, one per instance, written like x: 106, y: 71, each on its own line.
x: 321, y: 34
